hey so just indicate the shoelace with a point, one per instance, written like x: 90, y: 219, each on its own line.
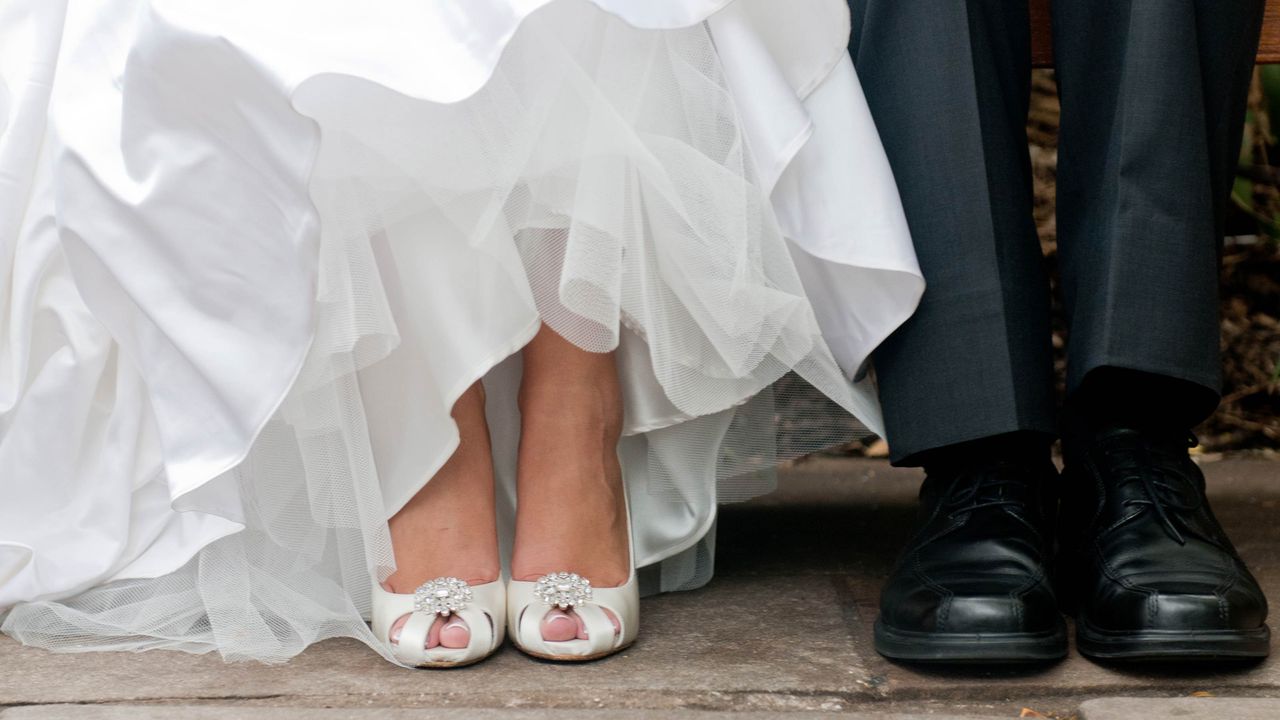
x: 985, y: 488
x: 1163, y: 482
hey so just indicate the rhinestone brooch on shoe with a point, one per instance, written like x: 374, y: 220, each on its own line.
x: 442, y: 596
x: 563, y: 590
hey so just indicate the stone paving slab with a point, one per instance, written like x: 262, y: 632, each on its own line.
x: 1181, y: 708
x: 232, y: 712
x: 713, y: 647
x: 854, y: 517
x: 785, y: 626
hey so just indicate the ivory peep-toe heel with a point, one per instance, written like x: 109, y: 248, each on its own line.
x: 528, y: 602
x: 483, y: 607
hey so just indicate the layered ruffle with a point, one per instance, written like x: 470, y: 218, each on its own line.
x: 255, y: 254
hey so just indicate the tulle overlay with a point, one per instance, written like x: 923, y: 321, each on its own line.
x: 243, y: 294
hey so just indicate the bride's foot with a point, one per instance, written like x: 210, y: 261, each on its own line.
x: 571, y: 511
x: 449, y: 528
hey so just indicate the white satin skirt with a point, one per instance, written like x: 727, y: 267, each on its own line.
x: 251, y: 253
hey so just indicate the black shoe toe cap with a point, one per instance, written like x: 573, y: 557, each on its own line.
x: 1178, y: 608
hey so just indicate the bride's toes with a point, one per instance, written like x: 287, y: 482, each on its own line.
x: 433, y: 635
x: 454, y: 633
x: 560, y: 626
x: 451, y: 633
x: 582, y: 626
x: 617, y: 626
x: 398, y: 627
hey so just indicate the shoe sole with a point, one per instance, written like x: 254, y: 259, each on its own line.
x: 971, y: 648
x: 572, y: 658
x: 1172, y: 645
x: 451, y: 665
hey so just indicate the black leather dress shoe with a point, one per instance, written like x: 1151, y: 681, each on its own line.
x: 972, y: 586
x: 1145, y: 565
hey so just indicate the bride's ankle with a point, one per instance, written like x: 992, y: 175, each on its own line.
x: 580, y: 405
x: 445, y: 538
x: 407, y: 580
x: 449, y: 527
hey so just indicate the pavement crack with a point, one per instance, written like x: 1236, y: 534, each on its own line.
x: 176, y: 699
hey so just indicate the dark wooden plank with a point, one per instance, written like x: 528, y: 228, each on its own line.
x: 1269, y: 49
x: 1042, y: 36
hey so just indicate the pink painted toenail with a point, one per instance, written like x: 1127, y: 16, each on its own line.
x: 455, y: 634
x: 557, y: 626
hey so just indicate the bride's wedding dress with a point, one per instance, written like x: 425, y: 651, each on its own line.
x: 251, y: 253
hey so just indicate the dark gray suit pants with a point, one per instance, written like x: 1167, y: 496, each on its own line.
x: 1153, y: 98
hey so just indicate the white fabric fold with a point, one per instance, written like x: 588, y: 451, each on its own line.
x: 253, y: 254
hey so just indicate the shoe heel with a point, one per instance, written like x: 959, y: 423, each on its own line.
x: 529, y: 602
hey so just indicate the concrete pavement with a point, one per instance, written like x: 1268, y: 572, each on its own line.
x: 805, y: 562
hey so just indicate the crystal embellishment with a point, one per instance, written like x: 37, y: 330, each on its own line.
x: 442, y: 596
x: 563, y: 590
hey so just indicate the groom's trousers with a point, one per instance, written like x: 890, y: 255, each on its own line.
x: 1153, y: 97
